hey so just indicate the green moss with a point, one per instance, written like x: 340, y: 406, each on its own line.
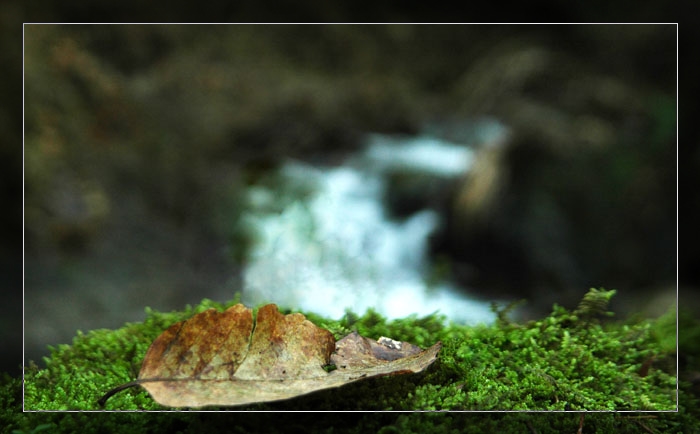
x: 77, y: 374
x: 565, y: 361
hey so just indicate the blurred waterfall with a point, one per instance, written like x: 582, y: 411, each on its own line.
x: 325, y: 243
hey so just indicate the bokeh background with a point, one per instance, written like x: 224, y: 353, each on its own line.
x: 139, y: 141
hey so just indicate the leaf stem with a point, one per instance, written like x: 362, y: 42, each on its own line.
x: 102, y: 401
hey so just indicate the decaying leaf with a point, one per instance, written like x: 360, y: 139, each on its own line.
x: 226, y: 359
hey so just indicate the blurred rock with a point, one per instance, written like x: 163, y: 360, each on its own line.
x: 581, y: 192
x: 73, y: 212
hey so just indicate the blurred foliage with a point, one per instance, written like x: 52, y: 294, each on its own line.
x: 140, y: 140
x: 168, y: 115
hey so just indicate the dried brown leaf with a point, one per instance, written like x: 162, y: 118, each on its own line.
x: 226, y: 359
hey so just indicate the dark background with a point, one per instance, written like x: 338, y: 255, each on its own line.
x: 105, y: 106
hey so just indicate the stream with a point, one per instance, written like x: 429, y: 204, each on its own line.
x: 325, y: 242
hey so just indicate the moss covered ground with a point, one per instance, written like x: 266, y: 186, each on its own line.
x: 574, y: 362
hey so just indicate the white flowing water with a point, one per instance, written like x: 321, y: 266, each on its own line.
x: 325, y: 244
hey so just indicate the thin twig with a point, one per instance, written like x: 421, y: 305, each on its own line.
x: 102, y: 401
x: 580, y: 424
x: 646, y: 428
x: 532, y: 428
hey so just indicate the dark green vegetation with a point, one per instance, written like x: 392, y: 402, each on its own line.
x: 570, y: 360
